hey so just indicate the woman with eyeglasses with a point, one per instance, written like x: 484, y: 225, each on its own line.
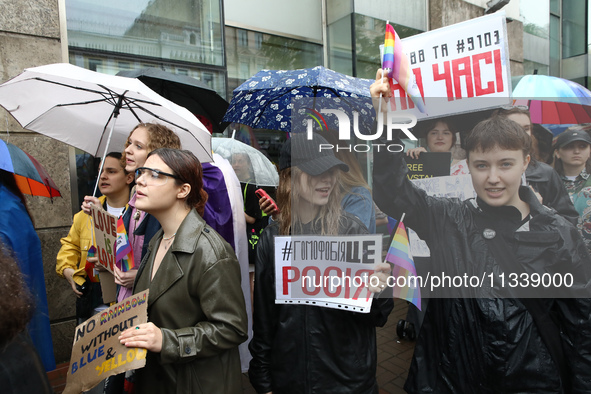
x: 196, y: 309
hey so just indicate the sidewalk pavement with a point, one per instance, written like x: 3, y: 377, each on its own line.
x: 393, y: 358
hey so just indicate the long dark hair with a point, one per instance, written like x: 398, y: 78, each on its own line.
x: 187, y: 167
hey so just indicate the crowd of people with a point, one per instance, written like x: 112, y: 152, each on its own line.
x: 203, y: 243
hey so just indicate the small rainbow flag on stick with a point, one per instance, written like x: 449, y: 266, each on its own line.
x: 123, y: 250
x: 404, y: 266
x: 396, y: 63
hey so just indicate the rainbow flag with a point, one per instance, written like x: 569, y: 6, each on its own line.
x: 404, y: 266
x: 123, y: 250
x: 396, y: 62
x: 89, y: 267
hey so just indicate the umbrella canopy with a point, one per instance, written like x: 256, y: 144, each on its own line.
x: 248, y: 163
x: 265, y: 100
x: 31, y: 178
x: 552, y: 100
x: 185, y: 91
x: 75, y: 105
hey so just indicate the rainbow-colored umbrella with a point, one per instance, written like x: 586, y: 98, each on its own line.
x: 552, y: 100
x: 31, y: 177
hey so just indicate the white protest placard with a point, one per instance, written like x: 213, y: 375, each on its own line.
x: 459, y: 68
x: 97, y: 352
x: 105, y: 232
x: 326, y: 271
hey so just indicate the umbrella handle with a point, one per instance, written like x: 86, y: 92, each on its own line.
x: 98, y: 178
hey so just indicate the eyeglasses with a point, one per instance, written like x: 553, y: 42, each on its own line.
x: 153, y: 177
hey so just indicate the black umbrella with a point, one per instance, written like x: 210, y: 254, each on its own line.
x: 185, y: 91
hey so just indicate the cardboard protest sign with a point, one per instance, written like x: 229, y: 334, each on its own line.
x: 459, y: 68
x: 428, y: 165
x: 326, y: 271
x: 105, y: 231
x: 97, y: 353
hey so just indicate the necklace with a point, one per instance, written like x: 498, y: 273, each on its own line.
x: 171, y: 237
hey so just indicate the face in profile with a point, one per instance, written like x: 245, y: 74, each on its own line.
x: 156, y: 189
x: 137, y: 151
x: 316, y: 190
x: 241, y: 166
x: 113, y: 179
x: 440, y: 138
x: 496, y: 175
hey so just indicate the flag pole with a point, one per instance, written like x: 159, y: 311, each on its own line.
x: 402, y: 218
x: 380, y: 100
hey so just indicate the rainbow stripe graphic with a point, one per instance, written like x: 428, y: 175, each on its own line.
x: 317, y: 116
x: 397, y: 64
x: 404, y: 266
x: 123, y: 250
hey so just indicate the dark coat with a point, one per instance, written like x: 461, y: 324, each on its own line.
x: 547, y: 182
x: 490, y: 343
x: 196, y: 300
x: 308, y: 349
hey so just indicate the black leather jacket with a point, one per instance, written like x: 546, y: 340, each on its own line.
x: 309, y: 349
x: 547, y: 182
x: 490, y: 343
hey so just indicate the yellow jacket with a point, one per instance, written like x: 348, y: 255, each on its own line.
x: 75, y: 246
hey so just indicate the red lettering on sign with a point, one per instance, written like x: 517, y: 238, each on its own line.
x: 317, y: 275
x: 498, y: 70
x: 465, y: 71
x: 445, y: 76
x: 287, y: 279
x: 490, y: 86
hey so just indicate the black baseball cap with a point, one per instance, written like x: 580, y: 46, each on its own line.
x: 570, y: 136
x: 312, y: 156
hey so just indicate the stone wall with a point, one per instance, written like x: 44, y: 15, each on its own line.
x: 29, y: 37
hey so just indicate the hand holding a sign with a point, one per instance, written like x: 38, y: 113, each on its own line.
x: 145, y: 336
x: 415, y: 152
x: 378, y: 280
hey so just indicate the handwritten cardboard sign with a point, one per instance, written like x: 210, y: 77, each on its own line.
x: 428, y: 165
x: 105, y: 231
x: 97, y: 352
x: 326, y: 271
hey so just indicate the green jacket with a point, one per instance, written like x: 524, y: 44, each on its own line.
x: 196, y: 300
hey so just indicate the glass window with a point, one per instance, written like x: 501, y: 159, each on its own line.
x: 535, y: 16
x: 179, y: 30
x: 531, y: 67
x: 275, y: 53
x: 555, y: 7
x: 368, y: 41
x: 340, y: 49
x: 554, y: 46
x: 242, y: 38
x: 573, y: 28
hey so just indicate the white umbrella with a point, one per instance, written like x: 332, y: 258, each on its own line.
x: 262, y: 172
x: 75, y: 105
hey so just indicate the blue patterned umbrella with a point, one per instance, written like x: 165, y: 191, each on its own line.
x: 265, y: 100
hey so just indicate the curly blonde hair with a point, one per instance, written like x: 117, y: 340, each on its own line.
x: 160, y: 136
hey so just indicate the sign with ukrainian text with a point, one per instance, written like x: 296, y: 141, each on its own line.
x: 459, y: 68
x: 428, y: 165
x: 105, y: 231
x: 97, y: 352
x: 326, y: 271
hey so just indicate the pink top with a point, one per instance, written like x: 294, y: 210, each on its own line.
x: 137, y: 242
